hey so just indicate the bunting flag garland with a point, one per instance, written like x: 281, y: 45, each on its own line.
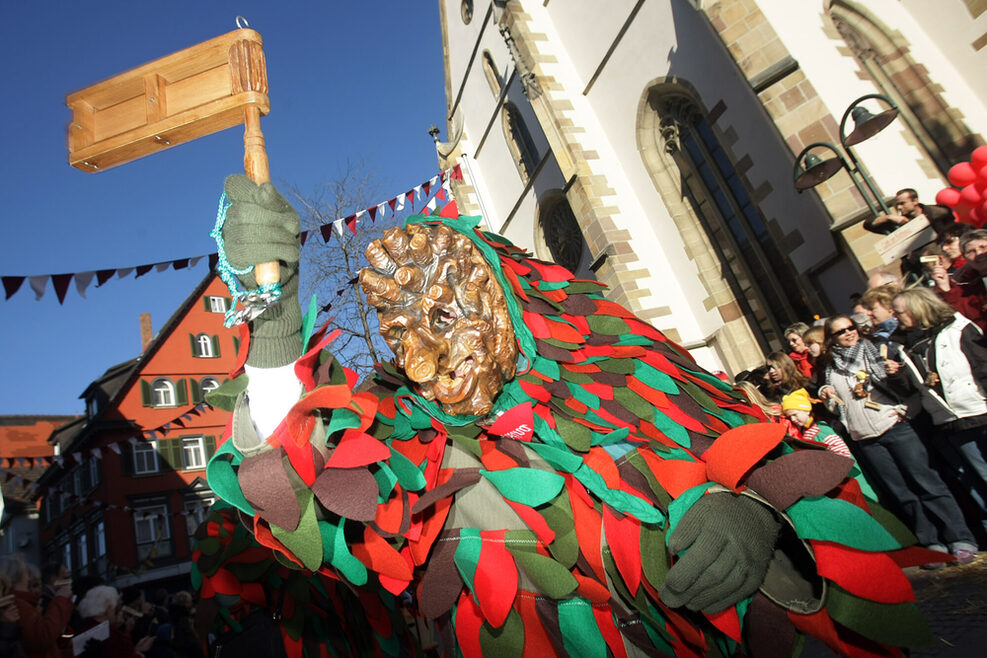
x: 61, y: 283
x: 545, y: 531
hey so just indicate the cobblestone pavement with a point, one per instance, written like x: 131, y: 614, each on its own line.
x: 954, y: 602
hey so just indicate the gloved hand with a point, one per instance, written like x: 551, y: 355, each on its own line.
x: 260, y: 227
x: 730, y: 541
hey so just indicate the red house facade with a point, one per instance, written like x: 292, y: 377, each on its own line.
x: 128, y: 487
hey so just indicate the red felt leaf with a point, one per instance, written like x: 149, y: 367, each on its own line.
x: 624, y: 539
x: 521, y: 270
x: 653, y: 396
x: 600, y: 390
x: 535, y: 391
x: 537, y: 643
x: 375, y: 611
x: 735, y: 452
x: 511, y: 277
x: 551, y: 272
x: 432, y: 521
x: 675, y: 475
x: 588, y: 523
x: 535, y: 521
x: 913, y: 556
x: 600, y: 461
x: 591, y: 589
x: 564, y: 332
x: 606, y: 307
x: 496, y: 578
x: 357, y: 449
x: 378, y: 555
x: 604, y: 621
x: 515, y: 423
x: 537, y: 324
x: 872, y: 576
x: 727, y: 622
x: 468, y: 623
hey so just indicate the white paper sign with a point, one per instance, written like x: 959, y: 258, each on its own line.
x: 910, y: 236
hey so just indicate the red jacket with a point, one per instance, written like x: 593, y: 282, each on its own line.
x: 967, y: 296
x: 802, y: 362
x: 40, y: 633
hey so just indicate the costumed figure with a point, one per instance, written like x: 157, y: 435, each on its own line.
x: 537, y: 473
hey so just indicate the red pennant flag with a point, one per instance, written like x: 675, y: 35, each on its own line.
x: 143, y: 269
x: 457, y: 173
x: 450, y: 210
x: 441, y: 194
x: 12, y: 284
x: 351, y: 223
x: 391, y: 203
x: 303, y: 237
x: 326, y: 230
x: 179, y: 264
x: 373, y: 213
x: 213, y: 261
x: 426, y: 186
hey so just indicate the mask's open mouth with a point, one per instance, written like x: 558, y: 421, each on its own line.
x: 453, y: 386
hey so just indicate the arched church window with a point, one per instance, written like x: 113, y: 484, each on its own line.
x: 490, y: 71
x: 562, y: 234
x: 885, y: 58
x: 763, y: 281
x: 519, y: 141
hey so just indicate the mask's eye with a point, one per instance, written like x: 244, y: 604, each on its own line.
x: 394, y: 333
x: 443, y: 318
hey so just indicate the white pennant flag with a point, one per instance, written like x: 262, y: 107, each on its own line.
x: 38, y: 284
x: 82, y: 281
x: 338, y: 225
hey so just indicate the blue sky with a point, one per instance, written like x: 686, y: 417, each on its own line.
x: 349, y: 81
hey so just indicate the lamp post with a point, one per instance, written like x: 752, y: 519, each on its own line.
x: 866, y: 125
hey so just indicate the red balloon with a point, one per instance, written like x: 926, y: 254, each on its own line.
x: 962, y: 174
x: 982, y: 176
x: 983, y: 209
x: 979, y: 157
x: 962, y: 212
x: 948, y: 196
x: 970, y: 195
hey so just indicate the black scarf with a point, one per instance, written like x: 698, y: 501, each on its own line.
x: 863, y: 356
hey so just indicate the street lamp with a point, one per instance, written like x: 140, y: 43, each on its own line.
x: 816, y: 170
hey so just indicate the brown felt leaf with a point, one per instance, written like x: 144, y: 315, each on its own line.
x: 441, y: 583
x: 460, y: 479
x: 349, y: 492
x: 266, y: 487
x: 799, y: 474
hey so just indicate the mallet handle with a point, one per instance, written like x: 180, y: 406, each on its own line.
x: 248, y: 72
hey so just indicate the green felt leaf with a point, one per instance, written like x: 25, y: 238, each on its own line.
x: 634, y: 403
x: 390, y: 646
x: 654, y: 555
x: 306, y: 541
x: 551, y: 577
x: 196, y: 577
x: 561, y: 459
x: 580, y: 634
x: 673, y: 430
x: 545, y: 366
x: 342, y: 419
x: 634, y: 339
x: 467, y: 554
x: 386, y: 479
x: 529, y: 486
x: 224, y: 397
x: 619, y: 500
x: 618, y: 366
x: 408, y: 474
x: 641, y: 466
x: 616, y: 436
x: 655, y: 378
x: 699, y: 395
x: 561, y: 344
x: 575, y: 377
x: 308, y: 321
x: 596, y: 419
x: 576, y: 435
x: 681, y: 505
x: 584, y: 287
x: 552, y: 285
x: 890, y: 522
x: 558, y: 516
x: 506, y: 641
x: 336, y: 553
x: 419, y: 419
x: 222, y: 477
x: 402, y: 427
x: 469, y: 444
x: 608, y: 325
x: 828, y: 519
x: 897, y: 624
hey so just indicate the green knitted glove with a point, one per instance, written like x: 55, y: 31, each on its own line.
x: 260, y: 227
x: 730, y: 541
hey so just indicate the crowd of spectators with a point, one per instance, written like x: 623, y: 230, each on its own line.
x: 899, y: 384
x: 44, y: 614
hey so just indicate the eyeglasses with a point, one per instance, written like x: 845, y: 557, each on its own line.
x: 837, y: 334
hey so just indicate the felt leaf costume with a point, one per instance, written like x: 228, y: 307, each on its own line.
x: 542, y: 528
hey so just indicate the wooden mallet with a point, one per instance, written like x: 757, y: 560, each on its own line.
x: 194, y: 92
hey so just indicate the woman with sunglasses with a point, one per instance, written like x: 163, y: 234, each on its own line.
x: 870, y: 390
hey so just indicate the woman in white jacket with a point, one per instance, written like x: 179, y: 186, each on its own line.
x: 948, y: 363
x: 887, y: 447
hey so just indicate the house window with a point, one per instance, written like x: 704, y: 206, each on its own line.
x: 163, y: 392
x: 82, y: 549
x: 67, y: 555
x: 217, y: 304
x: 99, y: 546
x: 204, y: 345
x: 100, y: 538
x: 145, y: 458
x: 193, y: 453
x: 208, y: 384
x: 92, y: 407
x: 195, y: 514
x: 93, y: 474
x: 152, y: 532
